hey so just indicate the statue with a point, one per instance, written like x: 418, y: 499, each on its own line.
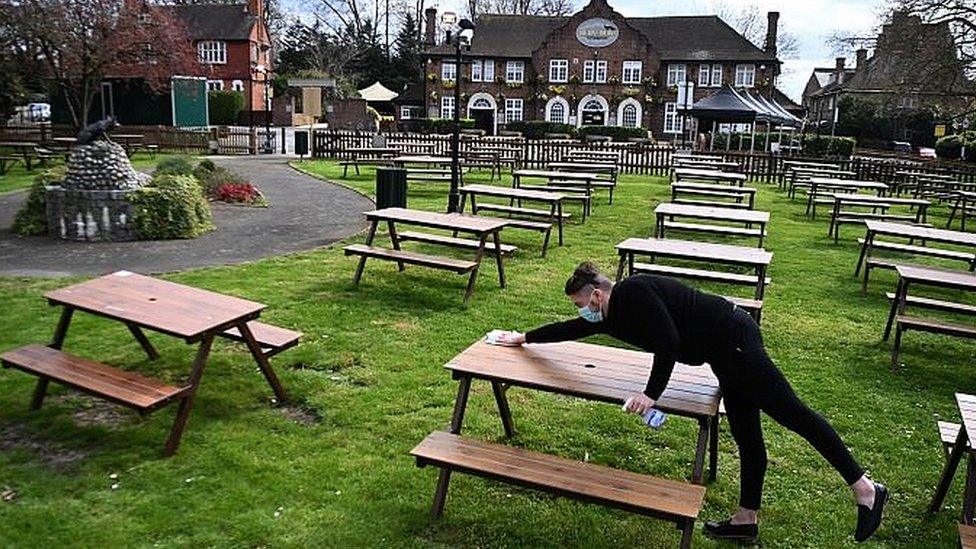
x: 96, y: 130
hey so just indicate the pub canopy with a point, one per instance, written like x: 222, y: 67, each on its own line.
x: 731, y: 106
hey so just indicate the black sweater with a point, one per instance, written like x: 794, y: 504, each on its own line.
x: 657, y: 314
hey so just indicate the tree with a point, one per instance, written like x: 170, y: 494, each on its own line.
x: 81, y: 42
x: 750, y: 21
x: 408, y: 61
x: 521, y: 7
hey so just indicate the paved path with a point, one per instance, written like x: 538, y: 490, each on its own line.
x: 305, y: 213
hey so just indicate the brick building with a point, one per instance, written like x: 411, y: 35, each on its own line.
x: 593, y: 67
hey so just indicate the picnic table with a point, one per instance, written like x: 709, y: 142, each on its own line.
x: 481, y: 229
x: 142, y: 302
x: 554, y: 213
x: 25, y: 151
x: 756, y: 259
x: 607, y: 171
x: 128, y: 140
x: 962, y: 445
x: 366, y: 156
x: 799, y: 178
x: 917, y: 275
x: 591, y: 372
x: 412, y: 147
x: 711, y: 194
x: 707, y: 176
x: 911, y: 233
x: 666, y: 212
x: 583, y: 182
x: 840, y: 216
x: 718, y: 164
x: 965, y: 206
x: 591, y: 155
x: 843, y: 185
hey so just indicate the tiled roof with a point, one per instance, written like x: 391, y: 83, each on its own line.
x: 216, y: 21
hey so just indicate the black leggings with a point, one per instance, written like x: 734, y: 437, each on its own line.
x: 752, y: 383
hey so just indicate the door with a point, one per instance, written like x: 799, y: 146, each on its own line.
x: 484, y: 119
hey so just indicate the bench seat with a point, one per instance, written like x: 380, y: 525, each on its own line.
x: 699, y: 274
x: 101, y: 380
x: 272, y: 339
x: 414, y: 258
x: 948, y: 432
x: 711, y: 203
x: 515, y: 210
x: 464, y: 243
x: 906, y: 322
x: 936, y: 304
x: 675, y: 501
x: 920, y: 250
x: 713, y: 229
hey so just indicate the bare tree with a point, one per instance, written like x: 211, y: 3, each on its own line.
x: 959, y: 19
x: 521, y: 7
x: 750, y: 21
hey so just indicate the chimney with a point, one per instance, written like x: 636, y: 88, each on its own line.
x: 839, y: 70
x: 256, y: 8
x: 862, y: 60
x: 772, y: 31
x: 430, y: 26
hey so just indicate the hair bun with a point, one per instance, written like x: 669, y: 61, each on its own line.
x: 586, y: 269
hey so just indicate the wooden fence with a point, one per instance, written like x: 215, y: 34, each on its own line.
x: 636, y: 158
x: 228, y: 140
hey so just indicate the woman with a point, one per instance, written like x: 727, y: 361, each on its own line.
x: 677, y: 322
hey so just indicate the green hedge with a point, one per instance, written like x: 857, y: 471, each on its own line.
x: 171, y: 206
x: 537, y: 129
x: 441, y: 126
x: 617, y: 133
x: 32, y: 217
x: 950, y: 146
x: 224, y: 106
x: 825, y: 145
x: 174, y: 165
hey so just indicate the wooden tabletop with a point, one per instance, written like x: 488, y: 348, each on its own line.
x: 879, y: 200
x: 377, y: 150
x: 422, y: 159
x: 967, y: 409
x: 829, y: 171
x: 705, y: 212
x: 968, y: 195
x: 925, y: 175
x: 583, y: 166
x: 715, y: 174
x: 167, y: 307
x: 688, y: 249
x: 18, y: 144
x: 712, y: 187
x: 801, y: 164
x: 590, y: 371
x: 468, y: 223
x: 924, y: 233
x: 702, y: 162
x: 934, y: 276
x: 64, y: 139
x: 552, y: 174
x: 846, y: 183
x: 510, y: 192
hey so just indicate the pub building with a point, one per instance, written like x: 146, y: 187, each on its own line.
x: 593, y: 67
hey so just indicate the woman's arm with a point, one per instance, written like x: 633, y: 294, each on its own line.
x: 576, y: 328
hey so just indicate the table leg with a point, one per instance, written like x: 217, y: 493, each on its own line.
x: 900, y: 294
x: 958, y: 448
x: 143, y: 341
x: 444, y: 478
x: 713, y: 449
x: 362, y: 260
x: 474, y: 272
x: 810, y: 192
x: 969, y: 494
x: 700, y: 449
x: 559, y: 220
x: 761, y: 282
x: 391, y: 228
x: 262, y: 359
x: 496, y: 237
x: 868, y: 237
x: 503, y: 410
x: 183, y: 413
x: 620, y: 265
x: 60, y: 332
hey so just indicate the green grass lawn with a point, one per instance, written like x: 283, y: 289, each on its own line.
x: 369, y: 383
x: 17, y: 176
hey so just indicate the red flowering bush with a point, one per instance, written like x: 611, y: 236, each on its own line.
x: 238, y: 192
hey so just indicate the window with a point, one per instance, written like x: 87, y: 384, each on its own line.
x: 476, y: 70
x: 447, y: 107
x: 676, y: 74
x: 448, y: 72
x: 558, y: 70
x: 488, y: 70
x: 237, y: 85
x: 215, y: 85
x: 745, y: 76
x: 589, y: 70
x: 513, y: 110
x: 299, y: 102
x: 515, y: 72
x: 557, y: 112
x: 704, y: 74
x: 673, y: 122
x: 628, y: 116
x: 601, y: 72
x: 213, y: 52
x: 632, y: 72
x: 908, y: 102
x: 716, y: 76
x: 404, y: 113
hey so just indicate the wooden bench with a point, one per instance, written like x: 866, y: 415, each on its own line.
x: 122, y: 387
x: 570, y: 194
x: 445, y: 240
x: 925, y: 303
x: 911, y: 233
x: 711, y: 229
x: 459, y: 266
x: 670, y: 500
x: 742, y: 197
x: 699, y: 274
x: 948, y: 433
x: 540, y: 220
x: 272, y: 339
x: 748, y: 223
x: 430, y: 174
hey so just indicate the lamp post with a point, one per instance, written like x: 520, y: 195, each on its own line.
x: 460, y: 39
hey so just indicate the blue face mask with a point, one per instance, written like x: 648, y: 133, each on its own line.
x: 589, y: 314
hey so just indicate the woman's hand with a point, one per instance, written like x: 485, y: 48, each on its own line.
x: 639, y: 404
x: 512, y: 339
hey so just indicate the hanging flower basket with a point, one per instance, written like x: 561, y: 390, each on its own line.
x: 557, y: 90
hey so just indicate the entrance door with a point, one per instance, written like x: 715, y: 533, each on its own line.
x: 484, y: 119
x: 593, y: 118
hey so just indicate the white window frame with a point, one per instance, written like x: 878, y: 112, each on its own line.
x: 677, y: 74
x: 745, y: 75
x: 716, y: 76
x: 631, y: 72
x: 447, y: 106
x: 212, y: 52
x: 601, y: 72
x: 476, y: 67
x: 704, y: 75
x: 514, y: 110
x: 515, y: 72
x: 638, y: 112
x: 448, y: 71
x: 215, y: 85
x: 559, y: 70
x: 563, y: 104
x: 673, y: 121
x: 589, y: 71
x: 405, y: 113
x: 237, y: 85
x: 488, y: 70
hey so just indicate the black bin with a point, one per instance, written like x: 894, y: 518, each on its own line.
x: 391, y: 188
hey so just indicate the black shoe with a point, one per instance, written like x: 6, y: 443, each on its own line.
x: 727, y: 530
x: 868, y: 520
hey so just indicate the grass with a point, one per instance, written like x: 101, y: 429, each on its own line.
x: 17, y: 176
x: 369, y: 375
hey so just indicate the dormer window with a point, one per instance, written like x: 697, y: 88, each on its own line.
x: 212, y: 52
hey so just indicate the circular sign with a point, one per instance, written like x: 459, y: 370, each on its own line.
x: 597, y: 32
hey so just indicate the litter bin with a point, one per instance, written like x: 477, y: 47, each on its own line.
x: 391, y: 188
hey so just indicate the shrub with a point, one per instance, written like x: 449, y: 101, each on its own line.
x: 171, y: 206
x: 951, y: 146
x: 174, y: 165
x: 32, y: 217
x: 238, y: 192
x: 537, y: 129
x: 212, y: 180
x: 617, y: 133
x: 224, y: 106
x: 825, y: 145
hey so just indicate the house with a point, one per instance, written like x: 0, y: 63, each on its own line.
x: 305, y: 101
x: 593, y: 67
